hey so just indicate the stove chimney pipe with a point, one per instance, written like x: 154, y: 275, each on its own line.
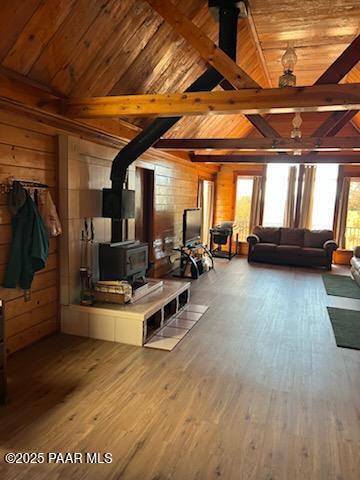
x: 228, y: 13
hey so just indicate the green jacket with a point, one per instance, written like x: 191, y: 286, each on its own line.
x: 29, y: 248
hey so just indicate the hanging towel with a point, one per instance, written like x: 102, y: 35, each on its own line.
x: 48, y: 213
x: 30, y: 243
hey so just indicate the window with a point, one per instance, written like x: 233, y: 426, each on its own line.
x: 324, y: 196
x: 277, y: 179
x: 244, y: 190
x: 352, y: 231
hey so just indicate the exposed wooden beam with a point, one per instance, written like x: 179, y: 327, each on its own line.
x: 18, y: 95
x: 355, y: 122
x: 298, y: 159
x: 260, y: 123
x: 234, y: 76
x: 262, y: 144
x: 210, y: 52
x: 334, y: 123
x: 342, y: 65
x: 319, y: 98
x: 27, y: 94
x: 336, y: 72
x: 6, y: 73
x: 263, y: 126
x: 259, y: 49
x: 204, y: 46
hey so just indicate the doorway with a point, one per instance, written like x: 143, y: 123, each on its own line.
x: 144, y: 206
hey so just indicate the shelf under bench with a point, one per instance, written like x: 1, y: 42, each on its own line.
x: 132, y: 324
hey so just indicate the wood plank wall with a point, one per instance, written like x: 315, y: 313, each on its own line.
x: 226, y: 191
x: 176, y: 188
x: 343, y: 257
x: 226, y: 188
x: 27, y: 152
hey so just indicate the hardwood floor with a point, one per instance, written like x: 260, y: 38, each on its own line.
x: 257, y: 390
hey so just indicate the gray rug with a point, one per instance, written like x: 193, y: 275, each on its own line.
x: 341, y: 286
x: 346, y: 326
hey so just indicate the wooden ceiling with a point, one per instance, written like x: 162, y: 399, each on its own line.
x: 319, y: 29
x: 102, y: 47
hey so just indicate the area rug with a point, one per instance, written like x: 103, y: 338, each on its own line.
x: 341, y: 286
x: 175, y: 330
x: 346, y: 326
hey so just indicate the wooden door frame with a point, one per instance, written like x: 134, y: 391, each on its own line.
x: 149, y: 168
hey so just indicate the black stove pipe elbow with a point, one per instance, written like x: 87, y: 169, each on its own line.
x: 228, y: 19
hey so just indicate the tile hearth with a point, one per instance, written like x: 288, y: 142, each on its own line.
x: 169, y: 336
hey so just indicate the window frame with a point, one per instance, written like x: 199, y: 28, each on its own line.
x: 249, y: 175
x: 357, y: 180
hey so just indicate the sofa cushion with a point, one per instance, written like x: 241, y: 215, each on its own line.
x: 292, y: 236
x: 268, y: 234
x: 288, y: 249
x: 314, y: 252
x: 317, y: 238
x: 265, y: 247
x: 357, y: 251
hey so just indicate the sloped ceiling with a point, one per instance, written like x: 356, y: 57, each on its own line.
x: 102, y: 47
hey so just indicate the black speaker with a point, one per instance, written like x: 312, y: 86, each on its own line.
x: 118, y: 204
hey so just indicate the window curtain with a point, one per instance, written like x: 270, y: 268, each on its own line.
x: 200, y: 194
x: 289, y: 214
x: 340, y: 221
x: 307, y: 197
x: 206, y: 203
x: 256, y: 203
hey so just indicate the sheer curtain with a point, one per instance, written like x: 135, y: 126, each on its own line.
x: 307, y: 197
x: 289, y: 214
x: 340, y: 221
x: 256, y: 203
x: 206, y: 203
x: 324, y: 196
x: 277, y: 178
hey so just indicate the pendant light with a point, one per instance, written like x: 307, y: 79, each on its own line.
x: 288, y: 60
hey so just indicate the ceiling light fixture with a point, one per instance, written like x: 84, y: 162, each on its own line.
x: 288, y: 60
x: 296, y: 131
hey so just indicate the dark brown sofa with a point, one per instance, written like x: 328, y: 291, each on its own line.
x: 293, y: 246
